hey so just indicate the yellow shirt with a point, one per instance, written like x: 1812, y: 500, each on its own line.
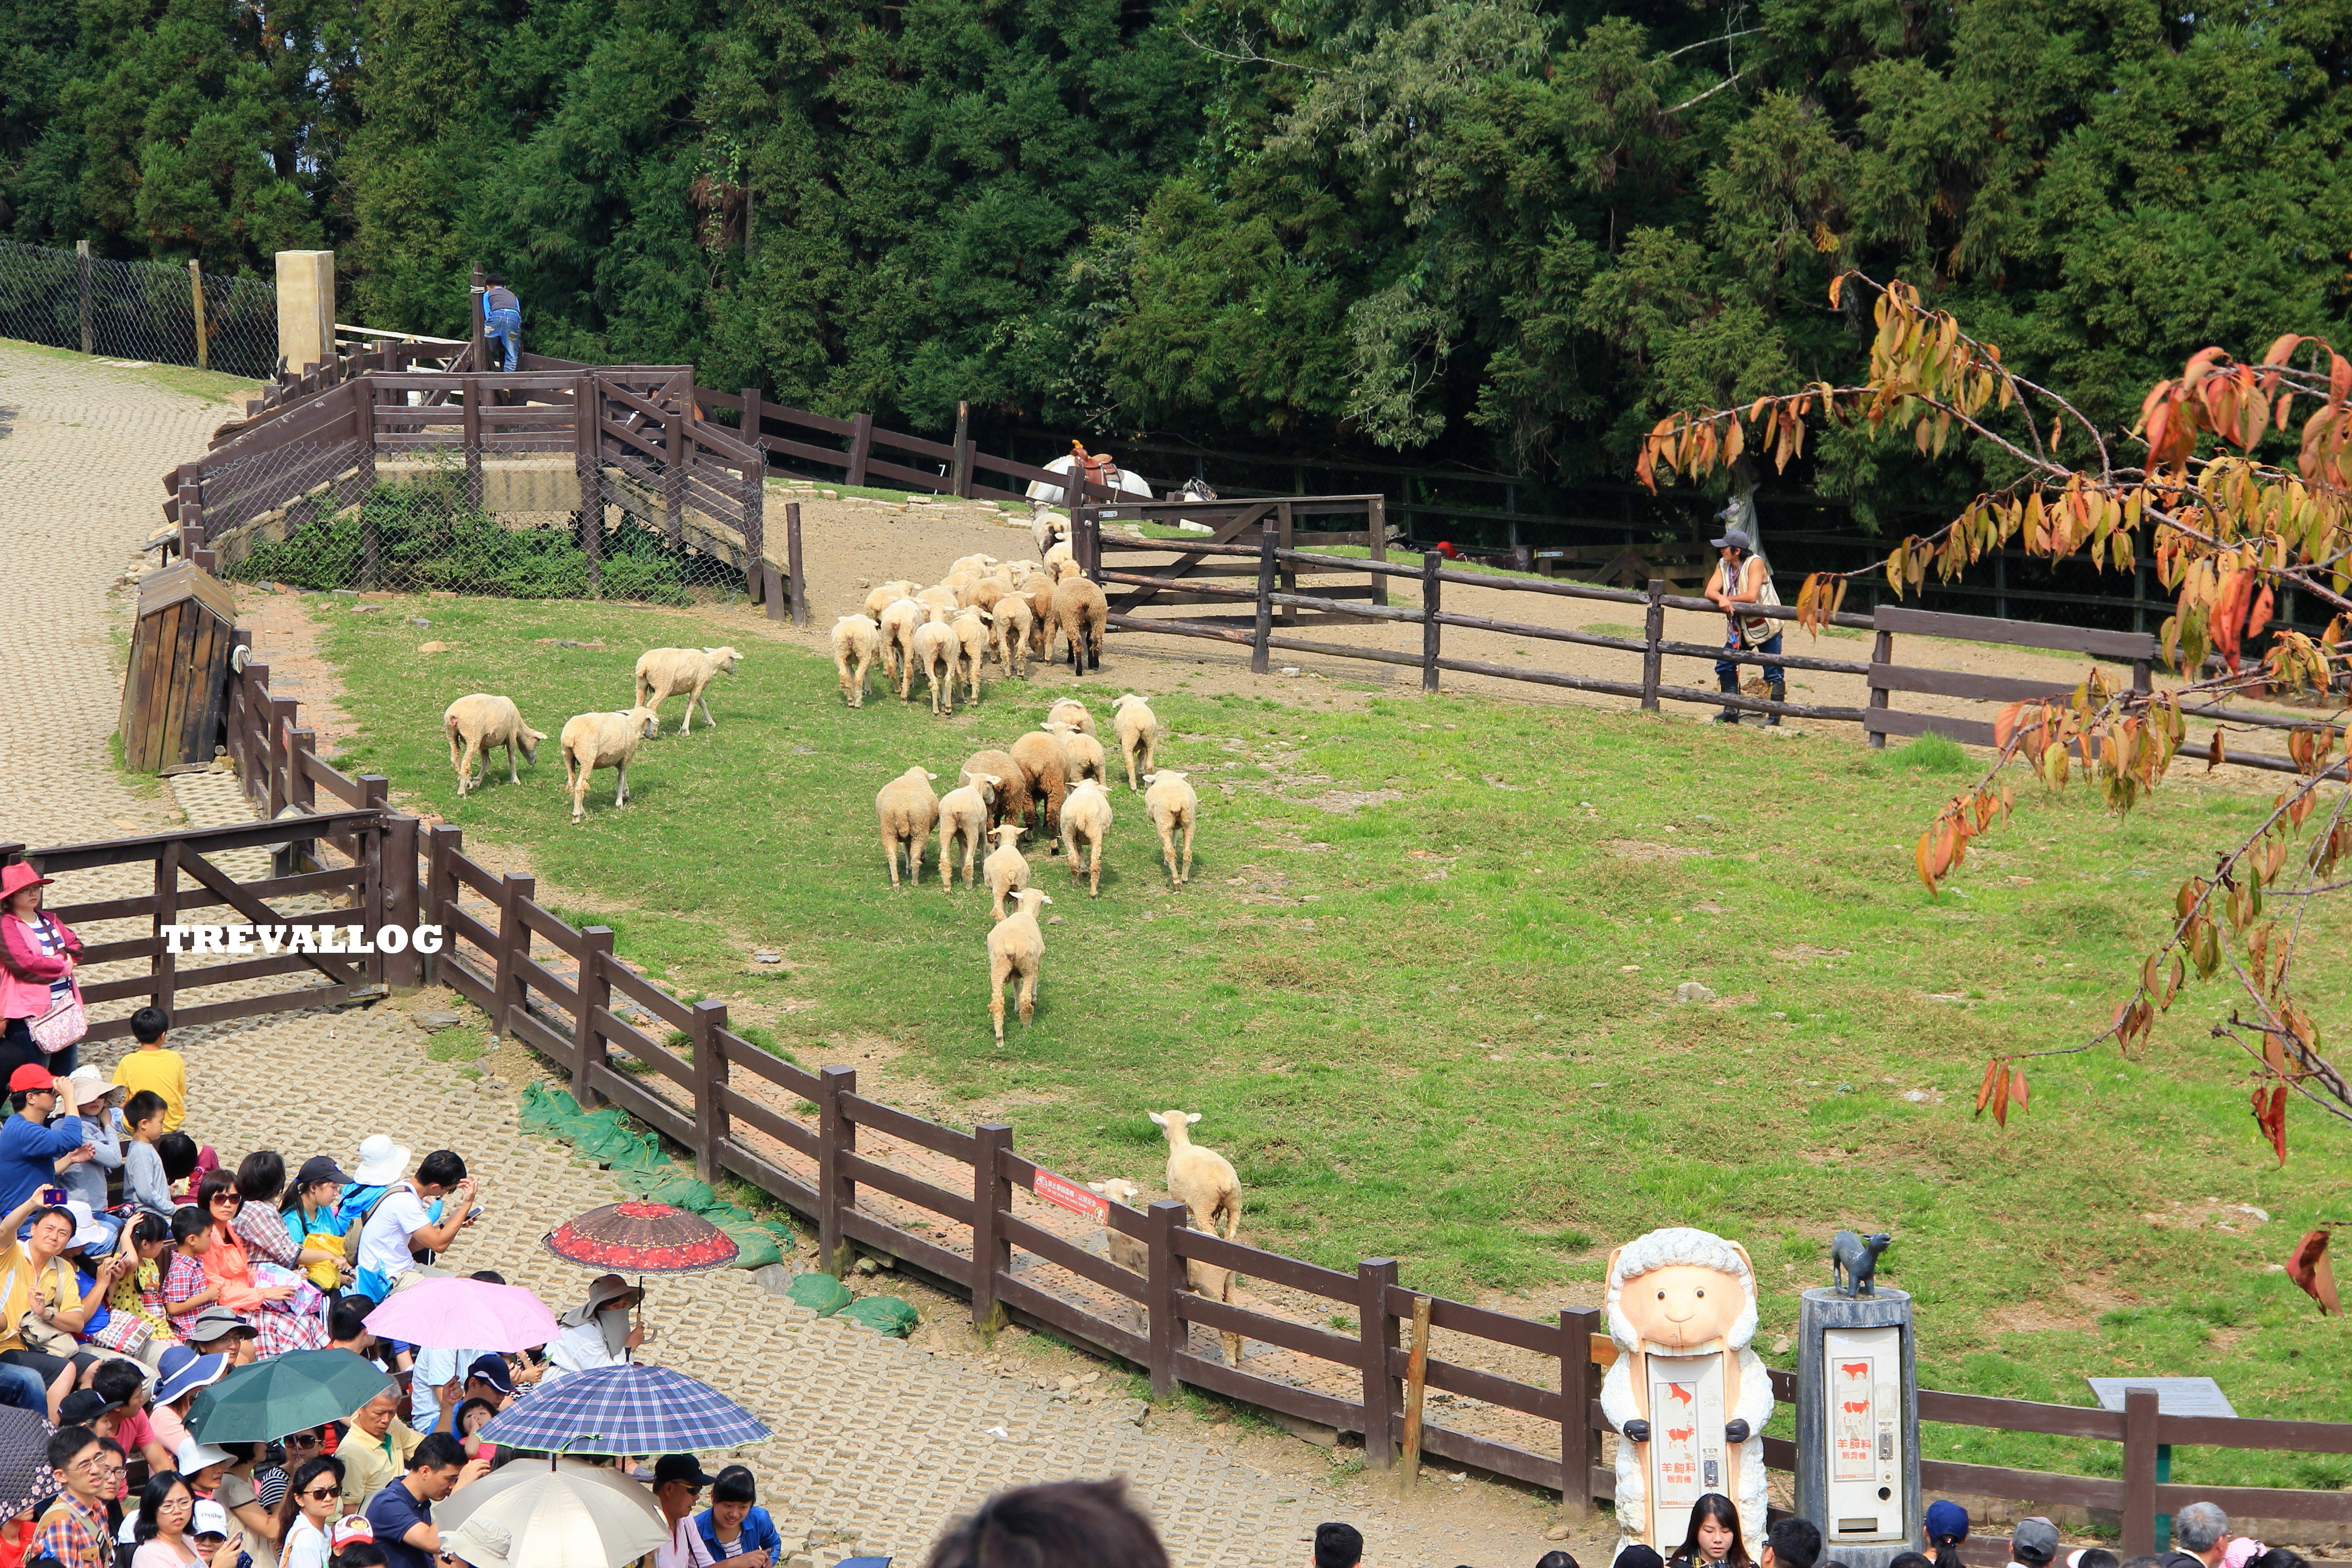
x: 165, y: 1072
x: 16, y: 1279
x: 372, y: 1464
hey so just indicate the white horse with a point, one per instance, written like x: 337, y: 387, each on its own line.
x: 1119, y: 479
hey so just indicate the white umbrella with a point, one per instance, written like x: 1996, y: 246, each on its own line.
x: 531, y: 1516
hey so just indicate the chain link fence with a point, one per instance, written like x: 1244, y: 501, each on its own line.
x: 508, y: 525
x: 138, y: 311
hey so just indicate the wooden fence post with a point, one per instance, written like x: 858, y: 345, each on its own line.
x: 2139, y: 1471
x: 1653, y: 632
x: 1376, y: 1331
x: 441, y: 846
x: 1579, y: 1445
x: 754, y: 501
x: 1163, y: 1283
x: 681, y: 453
x: 197, y: 300
x: 861, y: 447
x: 1289, y: 568
x: 480, y: 353
x: 241, y: 687
x: 164, y: 967
x: 711, y: 1119
x: 1417, y: 1385
x: 959, y: 465
x: 1269, y: 540
x: 992, y: 1199
x: 1881, y: 651
x: 798, y: 588
x: 363, y: 427
x: 837, y: 1194
x: 470, y: 438
x: 301, y: 789
x: 375, y: 791
x: 507, y: 989
x: 81, y: 265
x: 282, y: 710
x: 405, y: 969
x: 1431, y: 563
x: 595, y: 993
x: 1376, y: 543
x: 752, y: 418
x: 587, y: 412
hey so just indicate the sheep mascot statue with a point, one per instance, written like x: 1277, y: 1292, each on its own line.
x: 1688, y: 1397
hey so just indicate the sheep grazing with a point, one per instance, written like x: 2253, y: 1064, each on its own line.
x: 963, y: 813
x: 900, y: 619
x: 480, y: 721
x: 1041, y: 612
x: 1138, y: 733
x: 1082, y: 753
x: 1172, y: 803
x: 1039, y: 756
x: 1045, y: 527
x: 1071, y: 712
x: 662, y: 672
x: 856, y: 641
x: 883, y: 597
x: 1085, y: 820
x: 936, y: 655
x: 1010, y: 624
x: 908, y: 810
x: 1006, y: 868
x: 1082, y: 611
x: 1016, y: 947
x: 1011, y: 803
x: 592, y: 740
x: 971, y: 629
x: 1201, y: 1178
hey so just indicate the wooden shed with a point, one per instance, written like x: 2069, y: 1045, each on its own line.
x: 175, y: 693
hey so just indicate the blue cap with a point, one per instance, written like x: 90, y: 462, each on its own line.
x: 1947, y: 1520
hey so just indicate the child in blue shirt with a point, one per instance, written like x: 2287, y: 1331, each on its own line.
x: 734, y: 1534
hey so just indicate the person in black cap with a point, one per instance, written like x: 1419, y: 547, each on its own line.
x: 677, y: 1481
x: 1742, y: 577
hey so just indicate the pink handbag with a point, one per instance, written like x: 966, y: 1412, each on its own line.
x: 64, y: 1024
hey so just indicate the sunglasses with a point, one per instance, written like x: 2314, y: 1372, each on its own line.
x: 321, y: 1496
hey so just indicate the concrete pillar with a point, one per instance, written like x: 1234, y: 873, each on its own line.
x: 1858, y: 1424
x: 306, y: 308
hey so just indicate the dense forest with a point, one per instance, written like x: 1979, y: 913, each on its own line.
x: 1502, y: 231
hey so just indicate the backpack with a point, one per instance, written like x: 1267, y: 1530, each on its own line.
x: 359, y: 1223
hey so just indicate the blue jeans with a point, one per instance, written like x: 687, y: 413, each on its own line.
x: 22, y: 1387
x: 505, y: 328
x: 1728, y: 667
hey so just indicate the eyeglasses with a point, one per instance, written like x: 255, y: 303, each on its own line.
x: 303, y: 1440
x: 321, y: 1496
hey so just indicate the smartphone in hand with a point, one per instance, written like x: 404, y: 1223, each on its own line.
x: 53, y: 1196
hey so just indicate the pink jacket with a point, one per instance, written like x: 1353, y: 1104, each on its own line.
x: 25, y: 970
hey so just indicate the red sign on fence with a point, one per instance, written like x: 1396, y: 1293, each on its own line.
x: 1069, y: 1194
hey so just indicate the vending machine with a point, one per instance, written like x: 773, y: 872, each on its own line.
x: 1858, y: 1425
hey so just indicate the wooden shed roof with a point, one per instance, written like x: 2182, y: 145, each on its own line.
x: 161, y: 590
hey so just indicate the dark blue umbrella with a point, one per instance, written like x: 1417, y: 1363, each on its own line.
x: 26, y: 1479
x: 634, y: 1409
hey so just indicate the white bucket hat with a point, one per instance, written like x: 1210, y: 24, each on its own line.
x: 381, y: 1161
x: 87, y: 1232
x: 90, y: 1085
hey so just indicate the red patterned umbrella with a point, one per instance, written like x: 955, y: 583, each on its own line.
x: 642, y: 1238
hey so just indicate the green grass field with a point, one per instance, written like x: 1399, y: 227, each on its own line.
x: 1422, y: 992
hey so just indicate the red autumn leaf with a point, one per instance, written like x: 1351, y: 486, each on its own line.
x: 2308, y: 1266
x: 2001, y: 1101
x: 1984, y: 1090
x: 2016, y: 1089
x: 2270, y: 1115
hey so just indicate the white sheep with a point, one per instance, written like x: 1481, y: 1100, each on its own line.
x: 1006, y: 868
x: 908, y: 810
x: 1016, y: 950
x: 1134, y: 1254
x: 592, y: 740
x: 1071, y: 712
x: 1046, y: 527
x: 939, y: 595
x: 1018, y: 573
x: 1138, y: 733
x: 1172, y: 805
x: 1201, y: 1178
x: 663, y: 672
x: 900, y: 619
x: 1010, y: 630
x: 973, y: 565
x: 1085, y: 817
x: 855, y: 640
x: 481, y: 721
x: 1083, y: 752
x: 963, y: 813
x: 971, y: 630
x: 935, y: 654
x: 1059, y: 553
x: 883, y: 597
x: 1082, y: 610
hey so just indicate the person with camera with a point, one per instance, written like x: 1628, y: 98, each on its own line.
x: 1742, y: 577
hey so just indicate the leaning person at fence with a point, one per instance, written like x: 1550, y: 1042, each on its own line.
x: 1742, y: 577
x: 36, y: 965
x: 502, y: 318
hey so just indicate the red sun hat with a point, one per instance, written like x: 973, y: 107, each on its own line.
x: 31, y: 1076
x: 18, y: 876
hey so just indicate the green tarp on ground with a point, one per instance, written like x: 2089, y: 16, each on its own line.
x: 820, y: 1293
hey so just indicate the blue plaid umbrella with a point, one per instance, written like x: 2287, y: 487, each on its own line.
x: 633, y: 1409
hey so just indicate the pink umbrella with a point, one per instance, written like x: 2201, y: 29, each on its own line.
x: 471, y: 1314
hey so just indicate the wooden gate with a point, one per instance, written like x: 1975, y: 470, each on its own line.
x: 1117, y: 530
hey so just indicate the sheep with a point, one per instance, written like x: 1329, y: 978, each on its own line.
x: 985, y: 594
x: 1071, y: 712
x: 664, y: 671
x: 1082, y: 753
x: 1201, y: 1178
x: 1041, y: 612
x: 977, y: 565
x: 1006, y: 868
x: 1134, y: 1254
x: 940, y: 596
x: 1085, y: 815
x: 1044, y: 528
x: 1039, y: 756
x: 883, y: 597
x: 592, y: 740
x: 1059, y: 553
x: 1011, y: 630
x: 908, y: 811
x: 1016, y: 947
x: 1018, y: 573
x: 1081, y: 609
x: 1138, y: 733
x: 1171, y: 803
x: 1011, y: 804
x: 476, y: 723
x: 900, y: 619
x: 971, y: 629
x: 855, y: 639
x: 963, y: 811
x: 936, y: 653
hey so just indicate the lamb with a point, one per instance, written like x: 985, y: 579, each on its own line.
x: 592, y: 740
x: 985, y: 594
x: 476, y: 723
x: 1085, y: 815
x: 1081, y: 611
x: 963, y: 811
x: 1044, y: 528
x: 1011, y: 625
x: 1015, y: 949
x: 1012, y: 789
x: 900, y: 619
x: 908, y: 811
x: 889, y: 594
x: 936, y: 653
x: 940, y: 596
x: 1071, y: 712
x: 1039, y: 756
x: 1059, y: 553
x: 1041, y: 611
x: 1172, y: 803
x: 1134, y: 1254
x: 1006, y: 868
x: 664, y: 671
x: 856, y: 639
x: 971, y: 629
x: 1138, y: 733
x: 1201, y: 1178
x: 1082, y: 753
x: 977, y: 565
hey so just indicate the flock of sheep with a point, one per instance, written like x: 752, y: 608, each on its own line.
x: 478, y: 723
